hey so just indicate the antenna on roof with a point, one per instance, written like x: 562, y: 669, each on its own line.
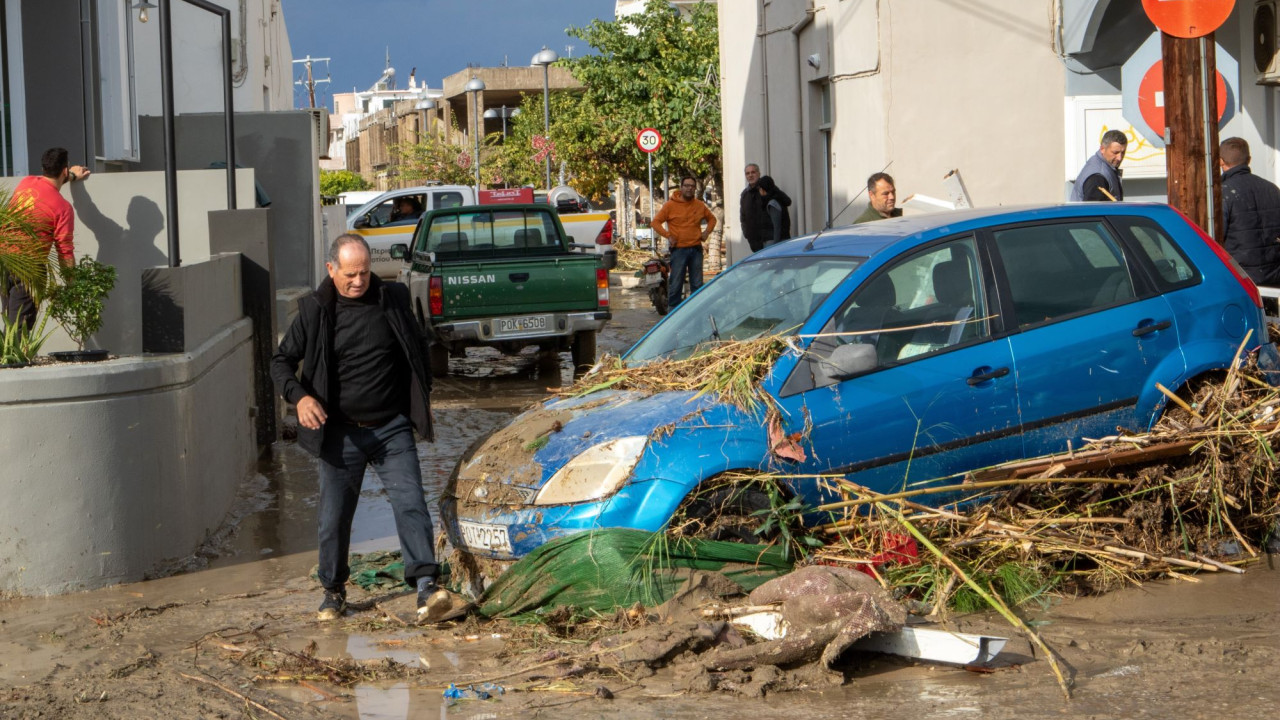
x: 809, y: 246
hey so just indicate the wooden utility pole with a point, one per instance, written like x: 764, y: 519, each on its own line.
x: 1191, y: 135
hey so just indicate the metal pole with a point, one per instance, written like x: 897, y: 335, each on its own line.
x: 170, y: 147
x: 652, y: 238
x: 229, y: 104
x: 546, y: 117
x: 1208, y: 134
x: 475, y: 102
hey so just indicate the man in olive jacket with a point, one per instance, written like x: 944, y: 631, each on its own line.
x: 1251, y: 215
x: 364, y: 388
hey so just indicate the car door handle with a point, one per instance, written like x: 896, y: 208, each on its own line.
x: 518, y: 277
x: 984, y: 374
x: 1153, y: 327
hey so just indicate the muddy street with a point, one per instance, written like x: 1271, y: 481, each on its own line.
x: 232, y: 634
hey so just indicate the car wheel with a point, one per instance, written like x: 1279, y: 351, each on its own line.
x: 584, y: 351
x: 731, y: 510
x: 439, y: 357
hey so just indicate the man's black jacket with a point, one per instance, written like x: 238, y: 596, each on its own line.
x: 757, y: 226
x: 1251, y: 209
x: 309, y: 341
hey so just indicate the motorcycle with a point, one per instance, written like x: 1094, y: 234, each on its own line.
x: 654, y: 278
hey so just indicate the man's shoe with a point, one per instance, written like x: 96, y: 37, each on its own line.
x: 334, y: 605
x: 434, y: 602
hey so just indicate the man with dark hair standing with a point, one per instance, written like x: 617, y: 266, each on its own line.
x: 54, y: 219
x: 883, y: 194
x: 759, y: 226
x: 1100, y: 178
x: 1251, y: 215
x: 363, y: 390
x: 680, y: 222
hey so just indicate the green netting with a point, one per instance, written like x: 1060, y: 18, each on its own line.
x: 606, y: 569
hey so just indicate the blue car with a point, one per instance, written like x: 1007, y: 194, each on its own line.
x: 926, y: 346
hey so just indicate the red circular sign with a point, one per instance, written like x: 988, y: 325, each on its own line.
x: 1188, y: 18
x: 648, y: 140
x: 1151, y: 97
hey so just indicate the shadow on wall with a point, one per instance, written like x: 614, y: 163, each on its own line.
x: 129, y: 249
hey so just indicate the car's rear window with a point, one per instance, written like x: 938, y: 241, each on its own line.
x: 492, y: 233
x: 1172, y: 268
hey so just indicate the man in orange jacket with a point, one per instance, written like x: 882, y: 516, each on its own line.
x: 680, y: 222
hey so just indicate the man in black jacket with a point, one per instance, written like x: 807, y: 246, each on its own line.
x: 753, y: 211
x: 363, y: 389
x: 1251, y: 212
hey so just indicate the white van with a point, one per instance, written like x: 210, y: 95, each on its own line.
x: 381, y: 222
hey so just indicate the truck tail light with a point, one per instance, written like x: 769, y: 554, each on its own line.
x: 435, y: 297
x: 602, y: 287
x: 1236, y: 271
x: 605, y: 237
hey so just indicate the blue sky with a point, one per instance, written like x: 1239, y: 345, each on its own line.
x: 439, y: 37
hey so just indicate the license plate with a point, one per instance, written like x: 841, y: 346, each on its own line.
x: 487, y: 537
x: 528, y: 323
x: 651, y: 279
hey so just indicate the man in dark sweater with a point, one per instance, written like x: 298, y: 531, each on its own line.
x: 363, y: 389
x: 1251, y: 215
x: 760, y: 227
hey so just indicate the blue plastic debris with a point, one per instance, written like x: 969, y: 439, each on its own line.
x: 486, y: 691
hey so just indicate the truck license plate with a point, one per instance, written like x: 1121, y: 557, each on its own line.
x: 487, y: 537
x: 504, y: 326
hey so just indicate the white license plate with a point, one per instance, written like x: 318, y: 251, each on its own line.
x: 651, y: 279
x: 528, y: 323
x: 487, y: 537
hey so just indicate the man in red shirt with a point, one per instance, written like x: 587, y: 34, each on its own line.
x: 54, y: 219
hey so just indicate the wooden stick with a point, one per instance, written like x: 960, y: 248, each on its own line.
x: 1173, y: 397
x: 1220, y: 565
x: 233, y: 693
x: 964, y: 486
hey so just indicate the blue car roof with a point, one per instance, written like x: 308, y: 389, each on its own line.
x: 867, y: 239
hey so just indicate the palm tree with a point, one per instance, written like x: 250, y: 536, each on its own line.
x: 24, y: 256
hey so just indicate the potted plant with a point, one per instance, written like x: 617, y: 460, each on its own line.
x: 76, y: 305
x: 27, y: 259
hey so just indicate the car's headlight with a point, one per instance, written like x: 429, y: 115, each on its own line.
x: 596, y: 472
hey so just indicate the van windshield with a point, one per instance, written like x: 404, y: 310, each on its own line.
x: 491, y: 233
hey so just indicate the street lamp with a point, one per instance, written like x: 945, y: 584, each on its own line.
x: 545, y: 58
x: 504, y: 113
x: 422, y: 107
x: 142, y: 6
x: 475, y: 86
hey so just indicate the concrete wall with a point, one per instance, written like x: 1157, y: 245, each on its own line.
x: 279, y: 147
x: 919, y: 86
x: 127, y: 463
x: 120, y: 221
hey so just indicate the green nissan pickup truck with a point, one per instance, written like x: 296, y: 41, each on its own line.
x: 507, y: 277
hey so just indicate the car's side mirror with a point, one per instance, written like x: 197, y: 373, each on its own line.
x: 361, y: 222
x: 848, y: 360
x: 399, y: 251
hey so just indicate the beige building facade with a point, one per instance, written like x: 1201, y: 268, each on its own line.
x: 1015, y: 95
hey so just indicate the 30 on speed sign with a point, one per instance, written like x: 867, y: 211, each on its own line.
x: 648, y: 140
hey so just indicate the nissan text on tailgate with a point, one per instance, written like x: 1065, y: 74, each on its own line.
x: 507, y: 277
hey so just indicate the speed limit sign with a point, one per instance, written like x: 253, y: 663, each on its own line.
x: 648, y: 140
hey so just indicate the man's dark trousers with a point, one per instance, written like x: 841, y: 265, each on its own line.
x: 683, y: 258
x: 391, y: 450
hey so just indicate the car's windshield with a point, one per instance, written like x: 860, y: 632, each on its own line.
x: 753, y: 298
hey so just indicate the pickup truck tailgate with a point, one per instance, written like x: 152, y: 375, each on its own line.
x: 533, y: 285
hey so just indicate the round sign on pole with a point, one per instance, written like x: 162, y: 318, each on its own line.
x: 648, y: 140
x: 1188, y: 18
x: 1151, y: 96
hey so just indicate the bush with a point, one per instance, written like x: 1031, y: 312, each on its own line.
x: 77, y: 304
x: 335, y: 182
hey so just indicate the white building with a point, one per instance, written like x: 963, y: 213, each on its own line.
x: 350, y: 108
x: 1013, y: 94
x: 80, y: 74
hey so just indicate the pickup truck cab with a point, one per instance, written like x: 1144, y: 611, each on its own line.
x: 507, y: 277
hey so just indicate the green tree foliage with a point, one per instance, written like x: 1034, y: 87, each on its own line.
x: 435, y: 159
x: 666, y: 76
x: 336, y: 182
